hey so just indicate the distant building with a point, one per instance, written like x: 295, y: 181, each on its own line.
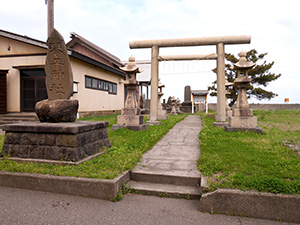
x: 199, y: 100
x: 97, y: 78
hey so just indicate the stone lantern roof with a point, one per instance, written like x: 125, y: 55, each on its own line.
x: 243, y: 63
x: 131, y: 66
x: 160, y: 85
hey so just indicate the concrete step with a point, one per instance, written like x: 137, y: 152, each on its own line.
x: 17, y: 118
x: 16, y: 115
x: 166, y: 190
x: 162, y: 177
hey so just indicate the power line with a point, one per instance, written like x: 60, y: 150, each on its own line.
x: 185, y: 72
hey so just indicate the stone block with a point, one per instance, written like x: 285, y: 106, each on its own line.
x: 246, y: 122
x: 65, y: 140
x: 12, y: 138
x: 30, y: 139
x: 37, y: 152
x: 242, y: 112
x: 92, y: 148
x: 47, y: 139
x: 21, y: 151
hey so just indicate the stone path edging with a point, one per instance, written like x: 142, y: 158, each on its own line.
x: 86, y: 187
x: 253, y: 204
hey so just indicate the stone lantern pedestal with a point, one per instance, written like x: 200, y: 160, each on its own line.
x: 131, y: 117
x: 242, y: 117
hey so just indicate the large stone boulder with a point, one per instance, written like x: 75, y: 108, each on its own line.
x: 55, y: 111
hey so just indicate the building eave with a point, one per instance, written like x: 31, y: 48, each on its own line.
x: 98, y: 64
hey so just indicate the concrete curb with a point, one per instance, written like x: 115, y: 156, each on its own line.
x: 86, y: 187
x: 252, y: 204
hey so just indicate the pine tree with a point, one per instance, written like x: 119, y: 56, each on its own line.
x: 260, y: 75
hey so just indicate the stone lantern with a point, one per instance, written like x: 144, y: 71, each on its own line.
x: 242, y: 117
x: 131, y: 117
x: 173, y: 112
x: 161, y: 114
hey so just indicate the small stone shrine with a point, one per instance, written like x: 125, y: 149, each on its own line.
x: 174, y: 111
x: 161, y: 113
x: 56, y: 136
x: 131, y: 117
x: 242, y: 117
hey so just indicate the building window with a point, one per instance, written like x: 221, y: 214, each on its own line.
x: 113, y: 89
x: 88, y: 82
x: 94, y: 83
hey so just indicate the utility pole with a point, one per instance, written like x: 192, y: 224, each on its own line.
x: 50, y: 4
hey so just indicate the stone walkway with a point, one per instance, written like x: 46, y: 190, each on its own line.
x: 172, y: 163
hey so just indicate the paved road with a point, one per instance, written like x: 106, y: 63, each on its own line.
x: 32, y: 207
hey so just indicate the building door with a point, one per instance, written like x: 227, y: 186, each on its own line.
x: 3, y: 91
x: 33, y: 88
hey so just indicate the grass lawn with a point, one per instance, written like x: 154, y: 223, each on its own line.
x: 250, y: 161
x: 127, y: 149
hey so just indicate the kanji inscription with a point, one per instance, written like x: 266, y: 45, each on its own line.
x: 59, y: 78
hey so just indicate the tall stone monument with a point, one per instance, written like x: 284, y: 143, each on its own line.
x: 162, y: 114
x: 131, y: 117
x: 56, y: 137
x: 242, y: 116
x: 59, y: 83
x: 186, y: 105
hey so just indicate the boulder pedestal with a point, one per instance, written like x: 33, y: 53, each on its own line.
x: 55, y: 141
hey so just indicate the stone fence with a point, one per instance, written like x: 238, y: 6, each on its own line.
x: 213, y: 106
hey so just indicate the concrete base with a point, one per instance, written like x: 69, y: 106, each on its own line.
x: 247, y: 122
x: 253, y: 204
x: 220, y: 124
x: 162, y: 117
x: 258, y: 130
x: 174, y: 113
x: 153, y: 123
x: 55, y: 141
x: 134, y: 128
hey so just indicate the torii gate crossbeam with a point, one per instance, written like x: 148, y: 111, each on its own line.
x: 220, y: 42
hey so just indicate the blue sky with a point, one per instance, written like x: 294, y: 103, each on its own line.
x: 273, y: 25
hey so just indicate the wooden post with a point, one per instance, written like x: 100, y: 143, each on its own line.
x: 50, y: 4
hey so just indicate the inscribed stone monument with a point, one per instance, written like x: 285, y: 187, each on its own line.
x: 59, y: 84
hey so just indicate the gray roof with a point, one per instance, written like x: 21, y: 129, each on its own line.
x: 199, y: 92
x: 24, y: 39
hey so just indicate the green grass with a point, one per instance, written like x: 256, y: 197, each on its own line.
x: 126, y: 151
x: 250, y: 161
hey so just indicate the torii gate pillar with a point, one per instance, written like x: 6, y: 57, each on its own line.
x: 221, y: 112
x: 154, y: 86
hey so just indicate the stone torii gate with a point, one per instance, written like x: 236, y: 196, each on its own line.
x: 220, y: 42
